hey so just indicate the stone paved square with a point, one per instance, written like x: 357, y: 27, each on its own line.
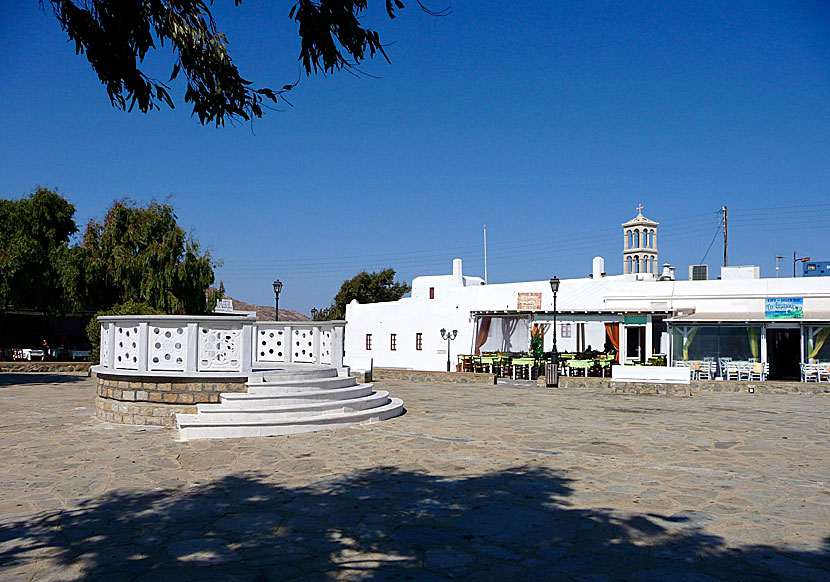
x: 473, y: 483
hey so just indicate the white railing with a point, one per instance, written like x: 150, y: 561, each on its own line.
x: 214, y: 345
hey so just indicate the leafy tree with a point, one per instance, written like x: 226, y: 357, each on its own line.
x: 116, y: 35
x: 366, y: 288
x: 38, y: 268
x: 93, y: 328
x: 143, y: 255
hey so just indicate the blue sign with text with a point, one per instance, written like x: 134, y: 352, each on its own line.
x: 784, y: 308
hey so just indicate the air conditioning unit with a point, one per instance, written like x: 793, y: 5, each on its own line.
x: 698, y: 272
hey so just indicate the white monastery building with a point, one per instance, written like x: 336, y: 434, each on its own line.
x: 639, y: 315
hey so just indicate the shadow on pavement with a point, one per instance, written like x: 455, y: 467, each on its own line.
x: 382, y: 524
x: 9, y: 378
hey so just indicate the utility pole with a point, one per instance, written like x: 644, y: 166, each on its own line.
x: 777, y: 258
x: 725, y: 237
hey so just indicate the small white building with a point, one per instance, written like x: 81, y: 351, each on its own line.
x: 639, y: 315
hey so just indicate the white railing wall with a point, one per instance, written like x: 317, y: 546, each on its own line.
x: 214, y: 345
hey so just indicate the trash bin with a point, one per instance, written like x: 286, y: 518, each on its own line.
x: 551, y: 374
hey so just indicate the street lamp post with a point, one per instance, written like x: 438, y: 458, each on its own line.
x: 554, y: 287
x: 796, y: 259
x: 449, y: 336
x: 277, y: 288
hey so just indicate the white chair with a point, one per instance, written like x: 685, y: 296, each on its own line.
x: 759, y: 372
x: 706, y: 371
x: 809, y: 373
x: 823, y: 372
x: 744, y: 371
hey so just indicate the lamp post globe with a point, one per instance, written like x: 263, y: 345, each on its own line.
x: 277, y: 288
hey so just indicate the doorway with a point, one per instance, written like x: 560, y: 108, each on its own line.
x: 784, y: 353
x: 635, y: 343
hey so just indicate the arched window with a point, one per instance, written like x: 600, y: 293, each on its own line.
x: 628, y: 270
x: 652, y: 243
x: 628, y: 239
x: 654, y: 264
x: 636, y: 264
x: 636, y: 239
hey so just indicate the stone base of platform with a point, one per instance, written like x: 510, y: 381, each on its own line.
x: 155, y: 401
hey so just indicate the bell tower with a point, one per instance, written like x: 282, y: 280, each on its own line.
x: 640, y: 244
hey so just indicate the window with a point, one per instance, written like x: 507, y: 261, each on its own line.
x: 393, y: 341
x: 419, y: 341
x: 565, y: 330
x: 432, y: 292
x: 368, y: 341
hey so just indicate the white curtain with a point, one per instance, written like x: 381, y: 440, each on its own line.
x: 507, y: 334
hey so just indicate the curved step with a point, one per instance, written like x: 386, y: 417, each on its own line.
x: 242, y: 400
x: 268, y: 412
x: 293, y: 386
x: 291, y: 373
x: 192, y: 426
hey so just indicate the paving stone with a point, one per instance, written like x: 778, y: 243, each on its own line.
x: 202, y: 552
x: 508, y: 482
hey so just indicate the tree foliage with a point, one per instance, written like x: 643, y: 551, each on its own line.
x: 93, y: 328
x: 143, y: 255
x: 116, y: 35
x: 366, y: 288
x: 38, y: 268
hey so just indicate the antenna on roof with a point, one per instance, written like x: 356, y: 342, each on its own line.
x: 485, y: 254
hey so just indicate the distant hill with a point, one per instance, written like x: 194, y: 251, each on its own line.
x: 266, y: 312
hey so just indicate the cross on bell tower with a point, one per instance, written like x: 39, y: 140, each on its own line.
x: 640, y: 244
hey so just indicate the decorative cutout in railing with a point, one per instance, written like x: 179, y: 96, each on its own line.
x: 168, y: 345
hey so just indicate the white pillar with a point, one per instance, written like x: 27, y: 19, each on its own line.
x: 623, y: 343
x: 317, y: 331
x: 288, y: 334
x: 247, y: 353
x: 110, y: 363
x: 191, y: 361
x: 143, y: 346
x: 337, y: 337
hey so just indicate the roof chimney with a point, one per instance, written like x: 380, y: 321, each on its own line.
x: 457, y: 277
x: 599, y: 268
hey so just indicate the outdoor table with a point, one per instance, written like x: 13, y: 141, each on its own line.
x: 583, y: 365
x: 521, y: 367
x: 488, y: 361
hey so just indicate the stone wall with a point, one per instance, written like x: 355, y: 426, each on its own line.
x: 156, y: 401
x: 433, y: 377
x: 733, y: 387
x: 45, y: 367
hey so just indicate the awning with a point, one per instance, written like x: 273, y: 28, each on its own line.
x: 737, y: 317
x: 525, y: 313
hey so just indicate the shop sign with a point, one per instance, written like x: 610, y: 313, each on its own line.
x: 529, y: 301
x: 784, y: 308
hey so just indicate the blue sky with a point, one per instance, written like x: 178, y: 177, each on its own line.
x: 549, y: 124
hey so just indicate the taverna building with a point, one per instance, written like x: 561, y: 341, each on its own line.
x: 639, y: 314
